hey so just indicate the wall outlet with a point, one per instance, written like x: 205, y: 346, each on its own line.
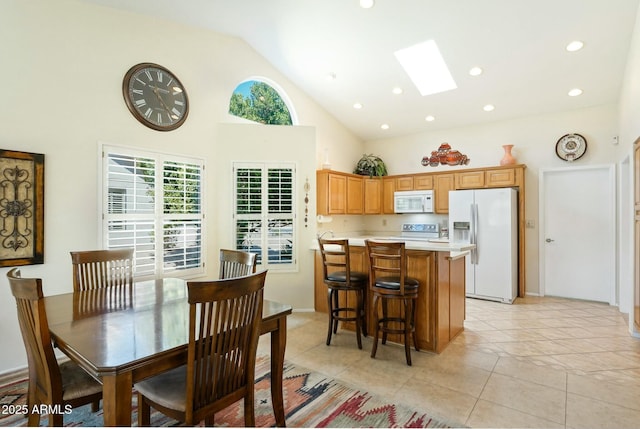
x: 530, y: 223
x: 384, y: 222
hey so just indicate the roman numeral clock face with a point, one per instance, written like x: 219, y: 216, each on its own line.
x: 155, y: 97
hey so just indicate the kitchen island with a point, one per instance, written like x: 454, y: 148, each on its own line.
x: 440, y: 269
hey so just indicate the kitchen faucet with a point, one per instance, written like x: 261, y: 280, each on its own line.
x: 321, y: 234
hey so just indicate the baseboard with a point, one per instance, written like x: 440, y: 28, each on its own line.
x: 12, y: 376
x: 21, y: 373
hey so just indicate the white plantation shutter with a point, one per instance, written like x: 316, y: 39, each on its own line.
x: 264, y: 213
x: 153, y: 203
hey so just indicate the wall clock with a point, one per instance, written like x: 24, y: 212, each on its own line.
x: 155, y: 96
x: 570, y: 147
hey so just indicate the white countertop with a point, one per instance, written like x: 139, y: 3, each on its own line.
x: 434, y: 245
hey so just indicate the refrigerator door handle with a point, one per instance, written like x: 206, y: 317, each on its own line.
x: 474, y: 233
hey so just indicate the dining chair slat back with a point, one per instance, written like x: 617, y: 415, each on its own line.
x: 224, y: 326
x: 236, y: 263
x: 95, y: 269
x: 49, y: 383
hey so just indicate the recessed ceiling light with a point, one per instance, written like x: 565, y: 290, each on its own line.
x: 384, y: 126
x: 575, y: 92
x: 475, y: 71
x: 426, y: 68
x: 489, y: 108
x: 576, y: 45
x: 366, y: 4
x: 357, y: 105
x: 430, y: 118
x: 397, y: 90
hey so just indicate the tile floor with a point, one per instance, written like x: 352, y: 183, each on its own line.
x: 541, y: 362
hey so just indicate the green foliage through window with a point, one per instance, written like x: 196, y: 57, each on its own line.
x: 259, y: 102
x: 264, y: 212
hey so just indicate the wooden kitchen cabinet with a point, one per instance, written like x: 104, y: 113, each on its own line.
x: 388, y: 188
x: 331, y: 195
x: 422, y: 182
x: 469, y: 180
x: 404, y: 183
x: 443, y: 183
x: 500, y: 178
x: 372, y: 195
x: 339, y: 193
x: 355, y: 195
x: 490, y: 178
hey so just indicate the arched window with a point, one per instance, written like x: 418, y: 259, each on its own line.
x: 258, y: 101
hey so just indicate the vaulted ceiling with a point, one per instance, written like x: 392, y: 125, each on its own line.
x: 518, y: 44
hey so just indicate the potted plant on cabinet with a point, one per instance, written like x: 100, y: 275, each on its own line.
x: 370, y: 165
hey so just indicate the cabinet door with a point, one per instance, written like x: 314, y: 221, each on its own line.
x: 470, y: 180
x: 443, y: 184
x: 372, y: 196
x: 337, y: 194
x: 404, y: 183
x: 355, y: 195
x: 422, y: 182
x: 388, y: 188
x: 501, y: 178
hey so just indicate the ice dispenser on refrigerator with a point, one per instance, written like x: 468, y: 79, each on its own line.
x: 461, y: 232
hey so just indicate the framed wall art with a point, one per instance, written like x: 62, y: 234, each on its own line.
x: 21, y: 208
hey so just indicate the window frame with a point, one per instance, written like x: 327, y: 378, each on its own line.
x: 158, y: 217
x: 264, y: 215
x: 293, y: 115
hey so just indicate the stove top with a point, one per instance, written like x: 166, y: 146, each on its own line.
x: 418, y: 231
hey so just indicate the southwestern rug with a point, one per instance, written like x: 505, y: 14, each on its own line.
x: 311, y: 400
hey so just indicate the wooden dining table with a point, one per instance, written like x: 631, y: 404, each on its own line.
x: 123, y: 335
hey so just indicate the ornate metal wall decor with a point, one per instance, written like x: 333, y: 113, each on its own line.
x: 306, y: 202
x: 445, y: 156
x: 21, y: 208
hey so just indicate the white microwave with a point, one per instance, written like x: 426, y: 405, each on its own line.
x: 413, y: 201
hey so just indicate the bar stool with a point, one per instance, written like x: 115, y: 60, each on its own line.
x: 388, y: 282
x: 335, y: 265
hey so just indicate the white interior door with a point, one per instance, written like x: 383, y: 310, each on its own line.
x: 577, y: 215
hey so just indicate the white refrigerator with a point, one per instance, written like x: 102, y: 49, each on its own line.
x: 487, y: 218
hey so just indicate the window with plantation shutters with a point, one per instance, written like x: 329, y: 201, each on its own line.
x: 153, y: 203
x: 264, y: 213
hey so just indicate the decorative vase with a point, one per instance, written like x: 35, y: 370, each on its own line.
x: 507, y: 159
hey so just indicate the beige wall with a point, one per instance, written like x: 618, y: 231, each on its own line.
x: 62, y: 75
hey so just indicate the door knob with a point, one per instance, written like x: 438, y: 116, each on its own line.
x: 548, y: 240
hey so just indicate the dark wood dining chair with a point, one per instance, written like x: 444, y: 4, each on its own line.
x: 388, y: 281
x: 50, y: 383
x: 236, y: 263
x: 340, y: 279
x: 94, y: 269
x: 224, y: 325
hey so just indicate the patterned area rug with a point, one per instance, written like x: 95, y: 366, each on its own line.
x: 311, y: 400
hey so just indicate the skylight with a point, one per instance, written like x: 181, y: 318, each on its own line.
x: 426, y: 68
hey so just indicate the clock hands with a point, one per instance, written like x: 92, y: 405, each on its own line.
x: 156, y: 90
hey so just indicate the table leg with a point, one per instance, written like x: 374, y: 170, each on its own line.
x: 116, y: 399
x: 278, y: 344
